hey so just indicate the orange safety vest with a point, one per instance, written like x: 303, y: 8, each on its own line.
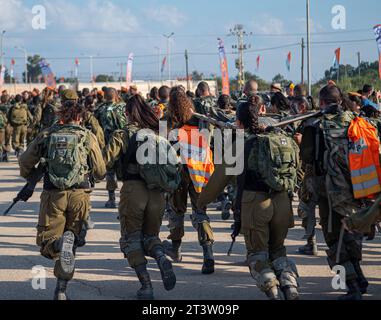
x: 196, y: 153
x: 364, y: 158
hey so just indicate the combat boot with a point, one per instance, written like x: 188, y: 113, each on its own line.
x: 111, y: 204
x: 290, y: 292
x: 4, y: 157
x: 310, y: 249
x: 274, y: 293
x: 146, y: 291
x: 361, y: 280
x: 208, y: 265
x: 353, y: 293
x: 173, y: 250
x: 60, y: 291
x: 165, y: 266
x: 64, y: 266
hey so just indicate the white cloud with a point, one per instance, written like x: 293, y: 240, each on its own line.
x: 14, y: 16
x: 315, y: 26
x: 167, y: 15
x: 94, y: 15
x: 268, y: 25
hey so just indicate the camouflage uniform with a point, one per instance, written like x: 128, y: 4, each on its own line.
x: 332, y: 184
x: 140, y: 212
x: 18, y: 118
x: 109, y: 126
x: 62, y: 211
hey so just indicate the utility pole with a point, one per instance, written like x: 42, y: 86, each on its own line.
x: 121, y: 65
x: 308, y: 49
x: 302, y: 75
x: 359, y: 63
x: 26, y: 62
x: 158, y: 63
x: 187, y: 69
x: 1, y: 48
x: 240, y: 34
x: 169, y: 53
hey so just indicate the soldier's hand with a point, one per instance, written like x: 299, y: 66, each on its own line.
x: 298, y: 138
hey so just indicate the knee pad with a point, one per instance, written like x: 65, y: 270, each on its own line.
x: 286, y: 272
x: 149, y: 243
x: 198, y: 217
x: 174, y: 220
x: 131, y: 242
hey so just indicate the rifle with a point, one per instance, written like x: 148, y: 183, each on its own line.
x: 27, y: 191
x: 228, y: 125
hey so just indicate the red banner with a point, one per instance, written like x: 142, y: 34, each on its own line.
x: 224, y: 68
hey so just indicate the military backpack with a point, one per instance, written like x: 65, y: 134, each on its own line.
x: 274, y: 158
x: 157, y: 161
x: 112, y: 117
x: 67, y: 156
x: 19, y: 115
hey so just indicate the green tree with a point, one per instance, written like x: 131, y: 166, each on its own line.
x: 197, y: 76
x: 104, y: 78
x: 34, y: 70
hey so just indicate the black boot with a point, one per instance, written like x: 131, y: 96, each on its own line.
x: 165, y: 266
x: 146, y: 291
x: 111, y: 204
x: 310, y: 249
x: 208, y: 265
x: 361, y: 280
x: 4, y: 157
x: 173, y: 250
x: 353, y: 293
x: 60, y: 291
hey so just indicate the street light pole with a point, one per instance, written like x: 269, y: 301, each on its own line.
x: 308, y: 49
x: 1, y: 48
x: 169, y: 53
x: 158, y: 62
x: 26, y: 62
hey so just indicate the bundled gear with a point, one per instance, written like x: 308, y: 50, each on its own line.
x: 67, y: 153
x: 161, y: 169
x: 111, y: 117
x: 274, y: 157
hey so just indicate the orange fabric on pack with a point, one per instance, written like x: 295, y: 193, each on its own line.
x: 364, y: 158
x: 195, y: 151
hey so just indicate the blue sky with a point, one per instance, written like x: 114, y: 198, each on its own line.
x: 114, y: 28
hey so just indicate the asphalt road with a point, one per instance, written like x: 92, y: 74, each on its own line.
x: 103, y: 273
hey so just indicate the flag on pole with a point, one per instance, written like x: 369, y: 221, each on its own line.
x: 288, y: 62
x: 377, y: 32
x: 129, y: 69
x: 336, y: 61
x: 76, y: 67
x: 76, y: 62
x: 224, y: 68
x: 163, y: 64
x: 47, y: 73
x: 13, y: 62
x: 258, y: 62
x: 2, y: 75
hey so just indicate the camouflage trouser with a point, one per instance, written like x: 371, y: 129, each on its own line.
x: 18, y: 137
x: 351, y: 249
x: 178, y: 204
x: 61, y: 211
x: 266, y: 219
x: 111, y: 182
x: 2, y: 139
x: 8, y: 137
x: 140, y: 212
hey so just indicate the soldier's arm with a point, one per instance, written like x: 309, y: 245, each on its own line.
x: 97, y: 162
x: 116, y: 146
x: 307, y: 146
x: 97, y: 130
x: 31, y: 156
